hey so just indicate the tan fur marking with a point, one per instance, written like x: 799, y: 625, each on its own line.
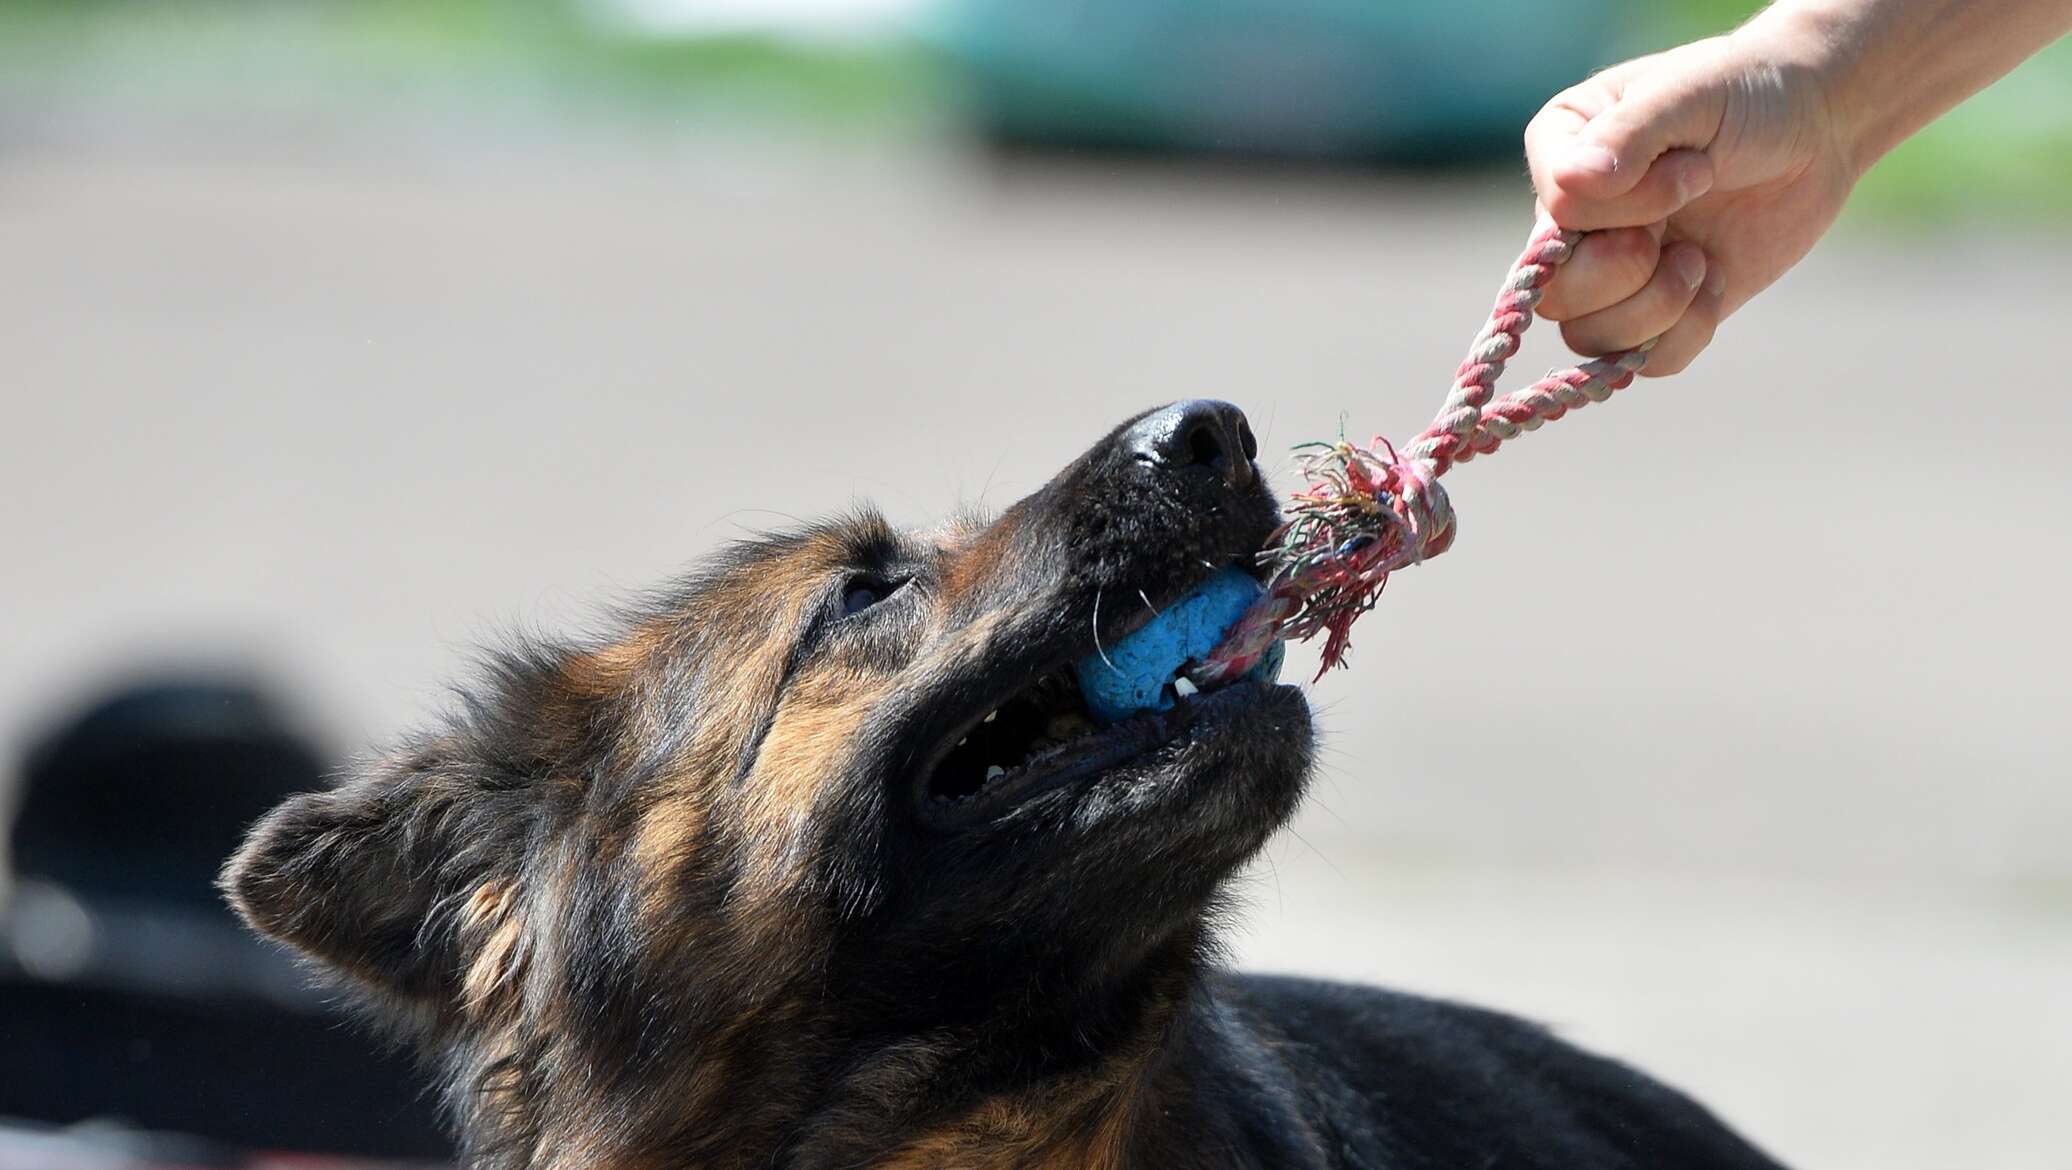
x: 668, y: 833
x: 491, y: 967
x: 1082, y: 1123
x: 1037, y: 1131
x: 972, y: 640
x: 490, y: 916
x: 971, y: 568
x: 608, y: 670
x: 806, y: 741
x: 488, y: 904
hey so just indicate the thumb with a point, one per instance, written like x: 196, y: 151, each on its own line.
x: 1657, y: 111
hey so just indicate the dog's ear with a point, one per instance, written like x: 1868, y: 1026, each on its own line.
x: 375, y: 878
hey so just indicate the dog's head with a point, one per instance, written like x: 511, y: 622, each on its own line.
x: 842, y: 779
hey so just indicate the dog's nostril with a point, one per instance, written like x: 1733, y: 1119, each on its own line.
x: 1197, y: 433
x: 1205, y: 447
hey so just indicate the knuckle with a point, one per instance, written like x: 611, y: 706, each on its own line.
x: 1632, y: 254
x: 1655, y: 196
x: 1554, y: 300
x: 1669, y: 292
x: 1657, y: 314
x: 1583, y: 339
x: 1708, y: 312
x: 1560, y: 204
x: 1680, y: 349
x: 1696, y: 328
x: 1654, y: 199
x: 1668, y: 319
x: 1667, y: 358
x: 1629, y: 243
x: 1635, y: 324
x: 1661, y: 365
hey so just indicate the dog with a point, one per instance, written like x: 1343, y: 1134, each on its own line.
x: 818, y: 864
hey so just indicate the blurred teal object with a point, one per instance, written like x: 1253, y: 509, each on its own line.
x: 1131, y: 675
x: 1344, y: 79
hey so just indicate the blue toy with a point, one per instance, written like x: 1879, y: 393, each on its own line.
x: 1135, y: 673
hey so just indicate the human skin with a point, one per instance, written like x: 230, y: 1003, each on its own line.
x: 1703, y: 173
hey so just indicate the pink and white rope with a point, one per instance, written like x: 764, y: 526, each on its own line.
x: 1367, y: 512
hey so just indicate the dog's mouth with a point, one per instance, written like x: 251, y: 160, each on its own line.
x: 1038, y: 725
x: 1046, y: 735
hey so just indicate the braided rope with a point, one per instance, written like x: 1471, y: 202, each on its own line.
x: 1367, y: 512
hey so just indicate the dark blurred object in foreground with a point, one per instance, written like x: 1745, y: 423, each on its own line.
x: 1347, y: 80
x: 129, y: 993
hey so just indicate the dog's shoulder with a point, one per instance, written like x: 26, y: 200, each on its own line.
x: 1404, y: 1081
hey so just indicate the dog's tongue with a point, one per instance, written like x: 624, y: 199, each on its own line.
x: 1135, y: 673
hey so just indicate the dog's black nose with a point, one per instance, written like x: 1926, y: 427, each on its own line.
x: 1200, y: 432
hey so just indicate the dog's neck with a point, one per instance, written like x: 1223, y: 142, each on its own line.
x: 1191, y: 1086
x: 1106, y: 1084
x: 1137, y: 1080
x: 1007, y: 1092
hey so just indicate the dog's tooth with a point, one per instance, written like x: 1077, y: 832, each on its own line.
x: 995, y: 770
x: 965, y: 740
x: 991, y: 715
x: 1184, y: 687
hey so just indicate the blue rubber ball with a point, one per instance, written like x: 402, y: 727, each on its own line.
x: 1132, y: 675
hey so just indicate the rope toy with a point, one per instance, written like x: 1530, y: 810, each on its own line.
x: 1367, y: 512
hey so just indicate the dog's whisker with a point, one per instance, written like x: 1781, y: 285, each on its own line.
x: 728, y: 516
x: 1147, y: 603
x: 1098, y: 649
x: 1273, y: 867
x: 1321, y: 855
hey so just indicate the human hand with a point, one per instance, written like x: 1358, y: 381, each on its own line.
x: 1702, y: 174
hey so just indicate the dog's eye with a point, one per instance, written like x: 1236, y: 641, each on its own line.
x: 863, y: 592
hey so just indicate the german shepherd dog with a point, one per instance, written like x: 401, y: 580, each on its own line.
x: 819, y: 864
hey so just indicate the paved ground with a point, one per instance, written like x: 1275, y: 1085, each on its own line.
x: 1730, y: 737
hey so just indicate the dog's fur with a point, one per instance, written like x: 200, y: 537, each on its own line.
x: 677, y: 899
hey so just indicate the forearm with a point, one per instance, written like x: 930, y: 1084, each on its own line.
x: 1892, y: 66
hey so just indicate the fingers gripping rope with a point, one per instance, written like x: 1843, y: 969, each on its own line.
x: 1367, y: 512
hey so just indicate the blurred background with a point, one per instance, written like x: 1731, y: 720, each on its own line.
x: 337, y: 335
